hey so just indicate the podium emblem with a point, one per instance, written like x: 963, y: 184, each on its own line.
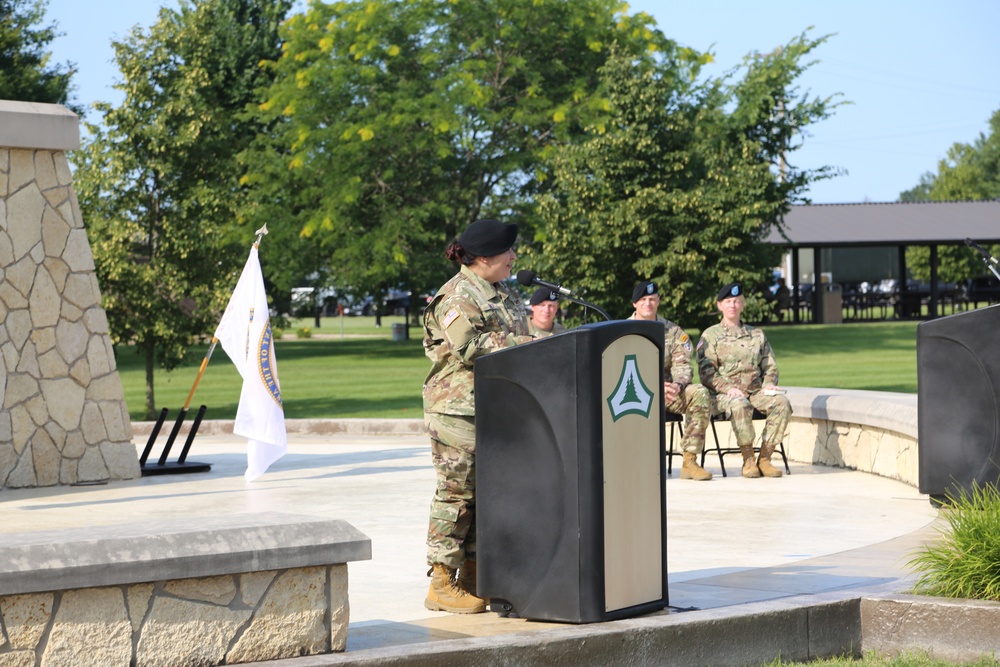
x: 631, y: 396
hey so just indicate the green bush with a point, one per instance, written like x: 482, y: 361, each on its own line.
x: 304, y: 332
x: 965, y: 562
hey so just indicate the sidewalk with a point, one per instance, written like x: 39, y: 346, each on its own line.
x: 730, y: 541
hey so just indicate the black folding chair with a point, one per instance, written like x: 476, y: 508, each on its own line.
x: 674, y: 420
x: 722, y: 451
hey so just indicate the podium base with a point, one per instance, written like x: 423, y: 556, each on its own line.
x: 503, y: 608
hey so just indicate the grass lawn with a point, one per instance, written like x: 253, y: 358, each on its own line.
x: 349, y: 368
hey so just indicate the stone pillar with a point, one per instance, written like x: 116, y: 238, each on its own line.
x: 63, y: 417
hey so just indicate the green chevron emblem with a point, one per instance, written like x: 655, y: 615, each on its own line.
x: 631, y: 396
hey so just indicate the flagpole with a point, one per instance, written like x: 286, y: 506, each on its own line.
x: 187, y: 404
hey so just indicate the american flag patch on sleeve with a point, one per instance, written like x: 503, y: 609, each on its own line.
x: 450, y: 317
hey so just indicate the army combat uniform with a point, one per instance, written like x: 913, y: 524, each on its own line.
x: 741, y: 357
x: 693, y: 401
x: 467, y: 318
x: 542, y: 333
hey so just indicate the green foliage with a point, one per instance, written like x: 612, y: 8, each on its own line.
x: 303, y: 332
x: 398, y: 123
x: 25, y: 71
x: 681, y: 184
x: 968, y: 172
x: 876, y: 659
x: 157, y: 180
x: 965, y: 561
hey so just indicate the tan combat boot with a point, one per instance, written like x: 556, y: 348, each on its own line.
x: 691, y: 470
x: 764, y: 462
x: 446, y: 595
x: 750, y: 468
x: 467, y: 576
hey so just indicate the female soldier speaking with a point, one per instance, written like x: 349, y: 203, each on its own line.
x: 471, y: 315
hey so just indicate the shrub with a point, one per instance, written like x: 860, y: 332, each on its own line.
x: 303, y: 332
x: 965, y: 562
x: 277, y: 332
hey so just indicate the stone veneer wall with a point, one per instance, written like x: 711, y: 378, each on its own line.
x: 870, y: 431
x: 207, y: 621
x: 63, y: 417
x: 224, y: 589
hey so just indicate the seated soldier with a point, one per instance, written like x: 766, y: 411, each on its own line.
x: 544, y: 309
x: 679, y: 395
x: 737, y: 364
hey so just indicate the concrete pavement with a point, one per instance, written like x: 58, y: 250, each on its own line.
x: 731, y: 541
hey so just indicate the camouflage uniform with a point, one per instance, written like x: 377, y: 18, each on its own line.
x: 467, y: 318
x: 741, y: 357
x: 694, y: 400
x: 542, y: 333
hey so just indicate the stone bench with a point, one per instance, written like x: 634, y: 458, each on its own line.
x: 871, y: 431
x: 232, y: 589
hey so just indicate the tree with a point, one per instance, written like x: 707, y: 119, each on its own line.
x: 969, y: 172
x: 398, y: 123
x: 158, y: 180
x: 25, y: 71
x: 682, y: 184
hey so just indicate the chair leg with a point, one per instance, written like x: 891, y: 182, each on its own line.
x: 781, y: 450
x: 670, y: 452
x: 718, y: 450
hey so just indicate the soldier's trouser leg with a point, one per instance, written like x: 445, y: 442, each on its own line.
x: 695, y: 403
x: 778, y: 410
x: 740, y: 414
x: 451, y: 534
x: 741, y: 417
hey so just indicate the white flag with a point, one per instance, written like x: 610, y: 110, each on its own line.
x: 245, y: 335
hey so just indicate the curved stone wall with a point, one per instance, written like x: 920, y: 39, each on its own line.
x: 63, y: 417
x: 871, y: 431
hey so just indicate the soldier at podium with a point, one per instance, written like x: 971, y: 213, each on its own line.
x: 679, y: 395
x: 737, y: 363
x: 473, y: 314
x: 544, y: 308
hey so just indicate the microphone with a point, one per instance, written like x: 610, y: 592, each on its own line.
x: 528, y: 278
x: 987, y: 257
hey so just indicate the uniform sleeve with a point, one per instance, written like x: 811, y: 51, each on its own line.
x: 463, y: 327
x: 680, y: 369
x: 708, y: 365
x: 768, y: 365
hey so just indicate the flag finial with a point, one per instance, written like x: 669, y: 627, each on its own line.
x: 259, y: 233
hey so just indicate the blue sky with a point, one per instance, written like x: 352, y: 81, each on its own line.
x: 920, y: 75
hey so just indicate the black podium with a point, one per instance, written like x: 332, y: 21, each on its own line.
x: 571, y: 500
x: 958, y: 402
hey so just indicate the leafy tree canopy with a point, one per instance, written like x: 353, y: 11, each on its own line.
x: 158, y: 181
x: 681, y: 184
x: 969, y: 172
x: 25, y: 71
x: 398, y: 123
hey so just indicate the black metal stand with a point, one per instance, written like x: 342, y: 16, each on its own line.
x: 181, y: 465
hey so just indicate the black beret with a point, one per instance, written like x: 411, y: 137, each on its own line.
x: 542, y: 294
x: 732, y: 289
x: 645, y: 288
x: 486, y: 238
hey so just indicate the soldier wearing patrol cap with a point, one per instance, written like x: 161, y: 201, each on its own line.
x: 472, y: 314
x: 737, y: 363
x: 679, y: 395
x: 544, y: 308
